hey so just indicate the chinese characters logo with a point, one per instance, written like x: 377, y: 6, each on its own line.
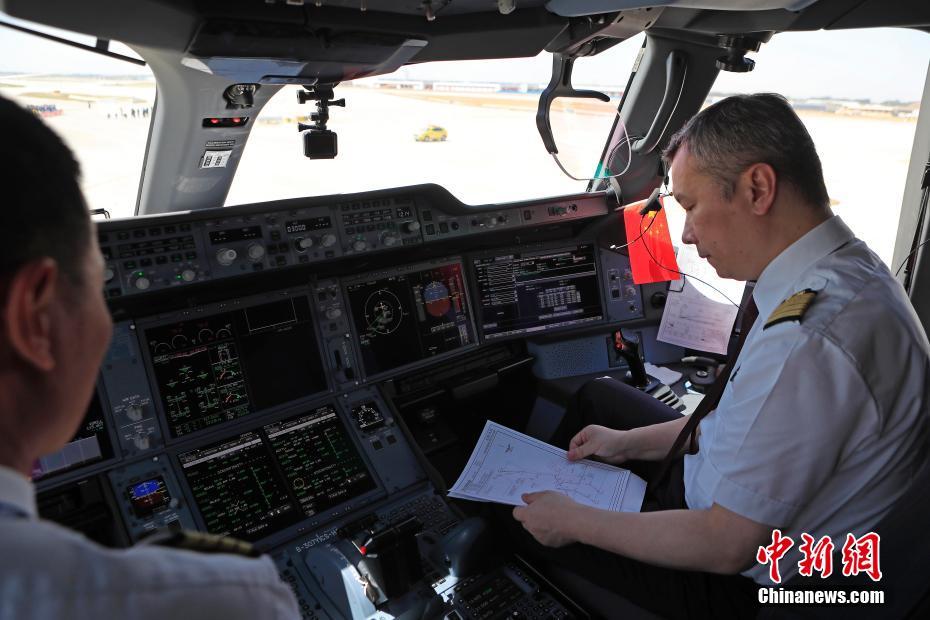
x: 859, y: 555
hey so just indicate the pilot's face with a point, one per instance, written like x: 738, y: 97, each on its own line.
x: 84, y: 328
x: 718, y: 227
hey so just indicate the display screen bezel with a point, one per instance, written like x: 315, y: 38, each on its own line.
x: 303, y: 524
x: 145, y: 324
x: 345, y: 283
x: 530, y: 251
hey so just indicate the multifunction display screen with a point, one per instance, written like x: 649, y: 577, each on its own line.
x: 319, y: 460
x: 237, y: 489
x: 259, y: 482
x: 411, y: 316
x: 532, y: 292
x: 91, y: 443
x: 222, y: 367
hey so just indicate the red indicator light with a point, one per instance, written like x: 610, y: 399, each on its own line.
x: 363, y: 550
x: 214, y: 121
x: 236, y: 120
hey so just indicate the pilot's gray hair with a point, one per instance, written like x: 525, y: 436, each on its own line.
x: 729, y: 136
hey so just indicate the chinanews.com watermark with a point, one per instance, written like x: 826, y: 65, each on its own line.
x: 781, y: 596
x: 859, y: 556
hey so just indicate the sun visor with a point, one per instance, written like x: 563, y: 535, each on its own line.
x: 580, y: 8
x: 290, y: 54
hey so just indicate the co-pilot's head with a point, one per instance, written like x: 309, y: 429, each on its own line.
x: 54, y: 323
x: 747, y: 174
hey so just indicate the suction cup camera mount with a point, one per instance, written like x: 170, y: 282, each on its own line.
x: 319, y: 142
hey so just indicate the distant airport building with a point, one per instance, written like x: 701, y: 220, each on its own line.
x: 467, y: 87
x: 398, y: 84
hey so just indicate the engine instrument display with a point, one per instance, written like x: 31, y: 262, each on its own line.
x: 410, y: 316
x: 522, y: 293
x: 222, y: 367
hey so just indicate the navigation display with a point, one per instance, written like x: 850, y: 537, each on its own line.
x: 237, y: 488
x: 522, y: 293
x: 411, y: 316
x: 319, y: 460
x: 222, y: 367
x: 89, y: 445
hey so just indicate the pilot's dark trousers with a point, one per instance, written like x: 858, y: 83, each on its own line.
x: 666, y: 592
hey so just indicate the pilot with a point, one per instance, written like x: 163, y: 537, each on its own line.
x: 54, y: 330
x: 820, y: 420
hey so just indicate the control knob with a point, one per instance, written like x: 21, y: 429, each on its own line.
x: 134, y: 412
x: 389, y: 239
x: 489, y: 222
x: 108, y: 274
x: 188, y: 275
x: 256, y: 252
x: 327, y: 240
x: 333, y: 313
x: 142, y: 283
x: 303, y: 244
x: 359, y: 245
x: 226, y: 256
x: 411, y: 227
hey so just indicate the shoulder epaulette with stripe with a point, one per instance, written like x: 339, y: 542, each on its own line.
x: 201, y: 542
x: 792, y: 309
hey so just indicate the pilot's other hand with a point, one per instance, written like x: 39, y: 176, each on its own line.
x: 600, y: 441
x: 547, y: 516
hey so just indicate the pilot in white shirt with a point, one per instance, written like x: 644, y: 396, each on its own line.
x: 54, y: 330
x: 823, y: 423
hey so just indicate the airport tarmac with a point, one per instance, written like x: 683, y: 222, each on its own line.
x: 493, y: 152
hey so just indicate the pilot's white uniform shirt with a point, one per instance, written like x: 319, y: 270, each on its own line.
x: 824, y: 421
x: 49, y: 572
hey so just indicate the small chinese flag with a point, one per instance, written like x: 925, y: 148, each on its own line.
x: 652, y: 257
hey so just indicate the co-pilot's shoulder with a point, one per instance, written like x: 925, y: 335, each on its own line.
x: 46, y: 548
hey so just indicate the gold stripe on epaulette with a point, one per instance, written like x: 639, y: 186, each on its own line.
x: 792, y: 309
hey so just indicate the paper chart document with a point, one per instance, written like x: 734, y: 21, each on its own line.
x: 696, y: 316
x: 505, y: 464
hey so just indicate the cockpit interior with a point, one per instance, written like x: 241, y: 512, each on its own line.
x: 310, y: 374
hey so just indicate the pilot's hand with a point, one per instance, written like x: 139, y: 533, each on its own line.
x: 600, y: 441
x: 547, y: 516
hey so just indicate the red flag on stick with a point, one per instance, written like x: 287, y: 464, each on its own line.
x: 652, y: 257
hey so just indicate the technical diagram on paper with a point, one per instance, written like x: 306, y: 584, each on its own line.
x: 696, y: 316
x: 505, y: 464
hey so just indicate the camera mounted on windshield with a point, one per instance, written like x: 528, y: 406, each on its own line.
x: 319, y: 142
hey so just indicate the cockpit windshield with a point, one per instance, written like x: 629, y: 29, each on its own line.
x: 101, y: 107
x: 469, y: 126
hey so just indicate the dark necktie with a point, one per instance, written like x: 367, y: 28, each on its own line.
x: 711, y: 397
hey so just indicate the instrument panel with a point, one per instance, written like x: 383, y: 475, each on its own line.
x: 163, y: 252
x: 260, y: 413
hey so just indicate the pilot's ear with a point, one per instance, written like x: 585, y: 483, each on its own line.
x: 28, y: 312
x: 761, y: 185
